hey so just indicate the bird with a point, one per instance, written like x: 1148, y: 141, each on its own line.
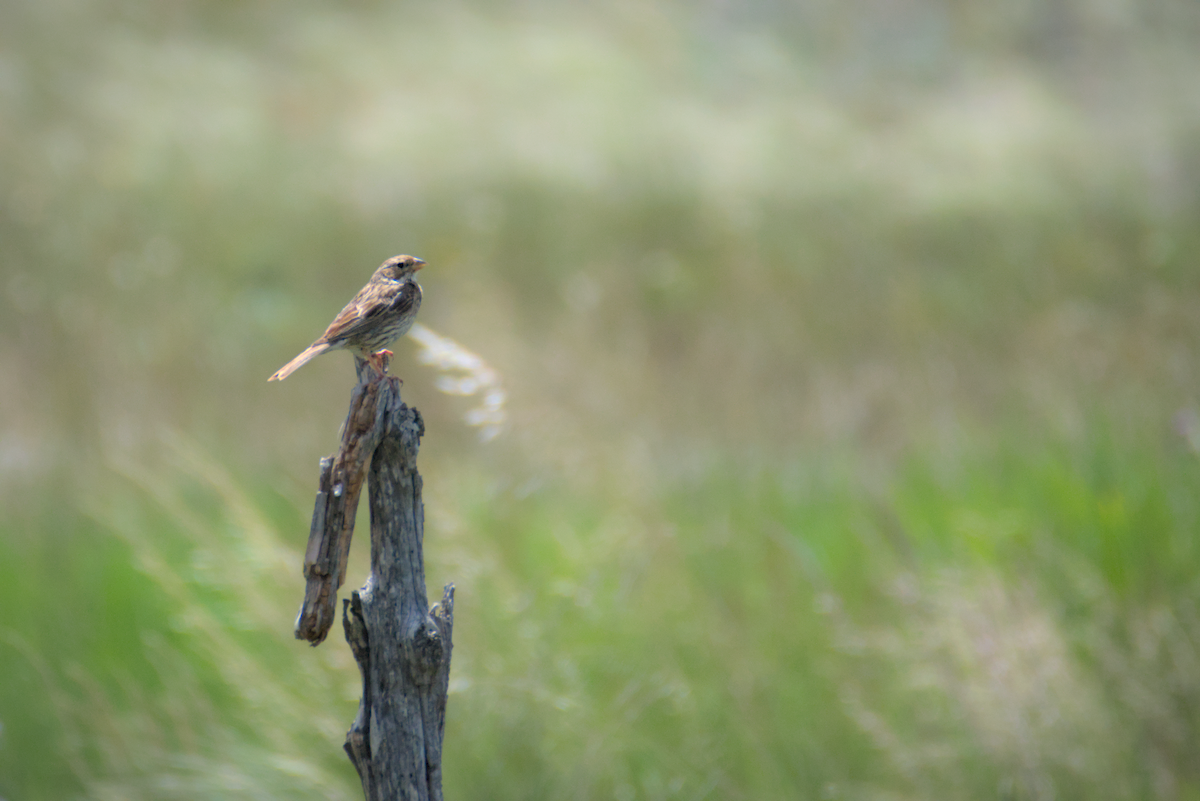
x: 379, y: 314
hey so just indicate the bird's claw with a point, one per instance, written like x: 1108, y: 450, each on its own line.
x: 380, y: 360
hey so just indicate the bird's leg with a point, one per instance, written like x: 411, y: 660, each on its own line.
x: 379, y: 360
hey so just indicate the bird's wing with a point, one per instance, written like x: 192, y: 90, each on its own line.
x: 345, y: 324
x: 374, y: 300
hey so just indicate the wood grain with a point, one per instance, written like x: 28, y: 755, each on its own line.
x: 402, y: 647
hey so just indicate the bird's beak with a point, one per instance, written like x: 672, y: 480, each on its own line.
x: 418, y: 264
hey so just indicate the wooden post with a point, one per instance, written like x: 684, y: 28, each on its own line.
x: 401, y: 645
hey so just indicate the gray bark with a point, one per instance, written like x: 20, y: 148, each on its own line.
x: 401, y: 645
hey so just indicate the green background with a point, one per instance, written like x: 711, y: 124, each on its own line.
x: 852, y: 358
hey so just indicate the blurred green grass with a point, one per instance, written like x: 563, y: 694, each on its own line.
x: 852, y: 393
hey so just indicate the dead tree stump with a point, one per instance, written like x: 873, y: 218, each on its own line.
x: 401, y: 645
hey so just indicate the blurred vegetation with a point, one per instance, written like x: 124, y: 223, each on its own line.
x: 852, y: 361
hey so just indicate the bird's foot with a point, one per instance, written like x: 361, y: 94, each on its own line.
x: 379, y: 360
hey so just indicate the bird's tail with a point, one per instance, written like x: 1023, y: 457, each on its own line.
x: 310, y: 353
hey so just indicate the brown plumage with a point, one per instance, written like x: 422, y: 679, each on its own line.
x: 380, y: 313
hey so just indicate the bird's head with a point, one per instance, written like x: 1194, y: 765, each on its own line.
x: 398, y: 268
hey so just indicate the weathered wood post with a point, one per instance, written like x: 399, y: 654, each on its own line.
x: 401, y: 645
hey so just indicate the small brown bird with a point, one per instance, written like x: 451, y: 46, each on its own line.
x: 380, y: 313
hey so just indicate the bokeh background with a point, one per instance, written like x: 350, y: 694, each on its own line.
x: 851, y: 358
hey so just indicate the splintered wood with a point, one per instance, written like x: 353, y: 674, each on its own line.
x: 401, y: 645
x: 341, y: 482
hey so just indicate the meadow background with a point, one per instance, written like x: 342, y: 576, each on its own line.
x: 852, y: 354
